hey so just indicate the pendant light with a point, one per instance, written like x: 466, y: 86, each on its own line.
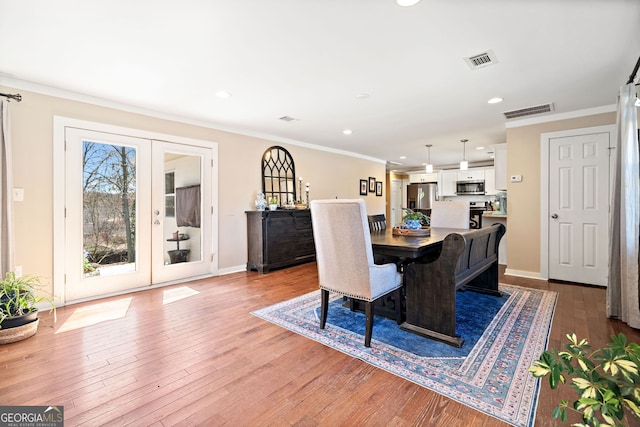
x: 464, y: 165
x: 429, y: 168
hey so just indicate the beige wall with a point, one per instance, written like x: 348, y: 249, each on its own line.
x: 523, y: 158
x: 330, y: 175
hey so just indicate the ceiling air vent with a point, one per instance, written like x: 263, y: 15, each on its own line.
x: 288, y: 119
x: 529, y: 111
x: 481, y: 60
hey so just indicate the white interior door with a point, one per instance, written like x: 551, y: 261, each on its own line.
x: 579, y: 208
x: 396, y: 203
x: 122, y: 195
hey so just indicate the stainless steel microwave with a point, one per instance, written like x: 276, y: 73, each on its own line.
x: 470, y: 187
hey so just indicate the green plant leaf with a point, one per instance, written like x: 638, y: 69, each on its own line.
x: 555, y: 376
x: 633, y: 407
x: 538, y: 370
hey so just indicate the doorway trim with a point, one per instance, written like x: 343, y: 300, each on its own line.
x: 59, y: 125
x: 545, y: 139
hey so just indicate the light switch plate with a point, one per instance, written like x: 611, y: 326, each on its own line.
x: 516, y: 178
x: 18, y: 194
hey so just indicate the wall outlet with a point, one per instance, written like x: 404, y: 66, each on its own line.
x: 18, y: 271
x: 516, y: 178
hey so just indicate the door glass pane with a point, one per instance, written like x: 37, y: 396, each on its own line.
x: 109, y: 209
x: 182, y: 230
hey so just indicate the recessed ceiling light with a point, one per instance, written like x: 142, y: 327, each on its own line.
x: 479, y: 148
x: 403, y: 157
x: 223, y: 94
x: 347, y: 131
x: 406, y: 3
x: 495, y: 100
x: 362, y: 96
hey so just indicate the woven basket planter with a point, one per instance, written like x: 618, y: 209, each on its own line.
x: 19, y: 333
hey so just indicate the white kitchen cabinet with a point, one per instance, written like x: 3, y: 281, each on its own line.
x: 448, y: 183
x: 490, y: 182
x: 471, y: 175
x: 416, y: 178
x: 500, y: 165
x: 423, y: 177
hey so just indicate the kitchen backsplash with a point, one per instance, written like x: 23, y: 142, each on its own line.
x: 479, y: 200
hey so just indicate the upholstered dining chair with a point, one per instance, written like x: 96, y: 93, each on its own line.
x: 450, y: 214
x: 377, y: 222
x: 345, y: 259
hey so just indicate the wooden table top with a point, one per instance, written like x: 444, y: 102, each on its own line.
x: 384, y: 242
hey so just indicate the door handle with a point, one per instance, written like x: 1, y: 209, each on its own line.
x: 554, y: 216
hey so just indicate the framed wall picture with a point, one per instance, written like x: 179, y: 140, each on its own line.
x: 378, y: 188
x: 363, y: 187
x: 372, y: 184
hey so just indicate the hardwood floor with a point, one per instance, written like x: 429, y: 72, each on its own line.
x: 205, y: 360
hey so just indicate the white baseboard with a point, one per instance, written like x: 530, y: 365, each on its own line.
x: 527, y: 274
x: 234, y: 269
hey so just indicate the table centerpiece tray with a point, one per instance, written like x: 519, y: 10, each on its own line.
x: 421, y: 232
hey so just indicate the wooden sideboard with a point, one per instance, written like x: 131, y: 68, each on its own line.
x: 278, y: 239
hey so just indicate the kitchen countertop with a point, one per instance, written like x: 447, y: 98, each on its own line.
x: 494, y: 214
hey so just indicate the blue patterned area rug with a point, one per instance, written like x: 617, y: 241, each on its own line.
x: 503, y: 336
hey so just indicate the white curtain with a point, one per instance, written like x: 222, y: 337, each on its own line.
x: 6, y: 193
x: 622, y: 292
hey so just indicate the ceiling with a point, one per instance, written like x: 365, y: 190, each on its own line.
x: 396, y: 76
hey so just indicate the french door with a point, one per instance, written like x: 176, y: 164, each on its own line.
x: 137, y: 213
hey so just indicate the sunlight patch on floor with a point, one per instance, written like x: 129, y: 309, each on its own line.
x: 176, y: 294
x: 96, y: 313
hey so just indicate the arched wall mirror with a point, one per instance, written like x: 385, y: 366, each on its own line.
x: 278, y: 175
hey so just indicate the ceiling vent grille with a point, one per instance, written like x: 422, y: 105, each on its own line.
x: 529, y: 111
x: 288, y: 119
x: 481, y: 60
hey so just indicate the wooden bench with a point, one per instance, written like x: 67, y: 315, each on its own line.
x: 467, y: 259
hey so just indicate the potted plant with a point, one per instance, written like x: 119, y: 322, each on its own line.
x: 414, y: 220
x: 273, y: 203
x: 19, y: 297
x: 606, y: 380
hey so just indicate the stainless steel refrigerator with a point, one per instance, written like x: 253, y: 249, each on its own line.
x: 421, y: 196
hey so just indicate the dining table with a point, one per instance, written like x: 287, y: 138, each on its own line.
x: 406, y: 247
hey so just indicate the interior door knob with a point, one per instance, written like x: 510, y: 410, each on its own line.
x: 554, y: 216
